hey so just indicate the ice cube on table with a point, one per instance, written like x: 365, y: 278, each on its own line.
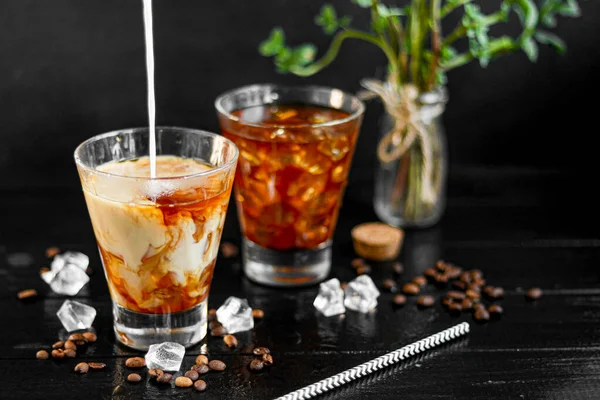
x: 330, y: 300
x: 166, y: 356
x: 361, y: 294
x: 68, y: 280
x: 235, y: 315
x: 75, y: 315
x: 70, y: 258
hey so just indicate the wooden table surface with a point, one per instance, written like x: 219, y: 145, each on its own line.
x: 522, y: 228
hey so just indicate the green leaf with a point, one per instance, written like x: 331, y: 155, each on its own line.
x: 344, y: 21
x: 327, y: 19
x: 363, y: 3
x: 551, y: 39
x: 531, y: 49
x: 283, y: 60
x: 378, y: 23
x: 304, y: 54
x: 549, y: 21
x: 569, y: 9
x: 386, y: 11
x: 273, y: 45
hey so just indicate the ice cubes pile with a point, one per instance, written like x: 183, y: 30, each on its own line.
x: 235, y: 315
x: 360, y: 295
x: 75, y: 315
x: 67, y: 273
x: 166, y: 356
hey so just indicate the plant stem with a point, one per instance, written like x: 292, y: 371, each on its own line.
x: 497, y: 47
x: 435, y: 41
x: 415, y: 40
x: 449, y: 7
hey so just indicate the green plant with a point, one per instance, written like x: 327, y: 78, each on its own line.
x: 417, y: 51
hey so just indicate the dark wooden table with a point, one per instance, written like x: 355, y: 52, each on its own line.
x: 522, y: 228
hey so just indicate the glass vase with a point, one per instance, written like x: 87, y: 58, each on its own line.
x: 410, y: 191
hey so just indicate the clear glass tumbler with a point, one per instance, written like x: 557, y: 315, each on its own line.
x: 296, y: 146
x: 158, y: 238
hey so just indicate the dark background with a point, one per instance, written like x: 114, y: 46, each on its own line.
x: 70, y: 69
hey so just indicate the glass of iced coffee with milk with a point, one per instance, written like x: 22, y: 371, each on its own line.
x: 158, y: 236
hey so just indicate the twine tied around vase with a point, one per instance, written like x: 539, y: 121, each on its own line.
x: 406, y: 113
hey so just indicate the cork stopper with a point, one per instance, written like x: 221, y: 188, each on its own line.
x: 377, y: 241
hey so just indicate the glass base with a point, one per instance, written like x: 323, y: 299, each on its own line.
x: 386, y: 213
x: 139, y: 330
x: 286, y: 268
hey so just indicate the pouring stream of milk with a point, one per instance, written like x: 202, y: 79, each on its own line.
x: 150, y: 72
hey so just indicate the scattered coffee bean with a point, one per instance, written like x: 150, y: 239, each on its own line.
x: 476, y: 274
x: 267, y: 359
x: 495, y: 310
x: 52, y: 251
x: 90, y: 337
x: 58, y: 354
x: 183, y: 382
x: 259, y: 351
x: 70, y: 345
x: 81, y: 368
x: 390, y: 285
x: 446, y: 301
x: 200, y: 385
x: 230, y: 341
x: 135, y: 362
x: 193, y: 375
x: 229, y: 250
x: 398, y: 268
x: 42, y: 355
x: 26, y: 294
x: 134, y: 378
x: 455, y: 308
x: 440, y: 265
x: 343, y: 285
x: 425, y: 301
x: 420, y: 280
x: 472, y: 294
x: 214, y: 324
x: 218, y: 331
x: 358, y: 263
x: 363, y: 270
x: 453, y: 294
x: 75, y: 337
x: 58, y: 345
x: 201, y: 369
x: 430, y: 273
x: 440, y: 279
x: 478, y: 306
x: 81, y: 342
x: 201, y: 359
x: 465, y: 277
x: 257, y: 313
x: 467, y: 304
x: 256, y: 365
x: 411, y: 289
x: 482, y: 314
x: 533, y: 294
x: 479, y: 282
x: 216, y: 365
x: 453, y: 272
x: 155, y: 372
x: 43, y: 270
x: 89, y: 271
x: 474, y: 288
x: 399, y: 300
x: 212, y: 314
x: 460, y: 285
x: 164, y: 378
x: 96, y: 365
x: 70, y: 353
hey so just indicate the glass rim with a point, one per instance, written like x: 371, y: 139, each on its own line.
x: 201, y: 132
x: 354, y: 115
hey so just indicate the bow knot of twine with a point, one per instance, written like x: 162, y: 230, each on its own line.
x: 408, y: 127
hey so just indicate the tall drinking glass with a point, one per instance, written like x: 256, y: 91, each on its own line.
x: 158, y: 238
x: 296, y: 146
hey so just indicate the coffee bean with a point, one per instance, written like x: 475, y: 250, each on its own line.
x: 440, y: 279
x: 460, y: 285
x: 259, y: 351
x: 164, y: 378
x: 398, y: 268
x: 358, y: 263
x: 343, y: 285
x: 75, y: 337
x: 214, y: 324
x: 70, y: 345
x: 42, y: 355
x: 134, y: 378
x: 212, y: 314
x: 476, y: 274
x: 81, y: 368
x: 58, y: 354
x: 82, y: 342
x: 218, y: 331
x: 430, y: 273
x: 90, y: 337
x: 479, y: 282
x: 390, y: 285
x: 193, y: 375
x: 440, y: 265
x: 472, y: 294
x: 453, y: 272
x: 425, y: 301
x: 201, y: 369
x: 89, y: 271
x: 43, y: 270
x: 216, y: 365
x: 135, y: 362
x: 155, y: 372
x: 200, y: 385
x: 455, y: 308
x: 183, y: 382
x: 96, y: 365
x: 58, y: 345
x: 52, y: 251
x: 478, y: 306
x: 256, y: 365
x: 399, y: 299
x: 70, y: 353
x: 257, y: 313
x: 495, y: 310
x: 229, y: 250
x: 201, y: 359
x: 453, y: 294
x: 267, y: 359
x: 465, y: 277
x: 533, y: 294
x: 230, y: 341
x: 481, y: 314
x: 474, y: 288
x: 420, y: 280
x: 363, y: 270
x: 26, y: 294
x: 467, y: 304
x: 446, y: 301
x: 411, y: 289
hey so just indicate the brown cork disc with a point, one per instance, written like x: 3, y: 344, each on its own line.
x: 377, y: 241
